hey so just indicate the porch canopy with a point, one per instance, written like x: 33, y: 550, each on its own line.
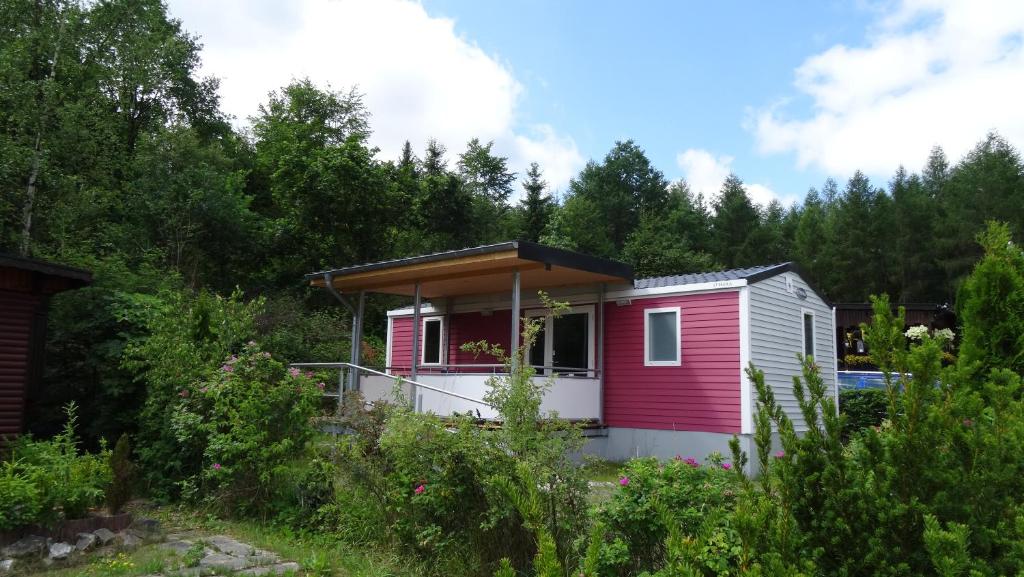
x: 509, y: 266
x: 479, y: 270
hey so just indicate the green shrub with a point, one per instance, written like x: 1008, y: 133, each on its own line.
x: 65, y: 483
x: 189, y: 337
x: 465, y: 499
x: 19, y: 498
x: 862, y: 408
x: 248, y: 419
x: 936, y: 490
x: 657, y: 504
x: 122, y: 472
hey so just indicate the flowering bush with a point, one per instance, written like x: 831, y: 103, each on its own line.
x: 189, y: 337
x: 655, y: 501
x: 247, y: 420
x: 917, y: 332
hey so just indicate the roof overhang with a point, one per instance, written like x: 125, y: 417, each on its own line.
x: 39, y: 276
x: 479, y: 270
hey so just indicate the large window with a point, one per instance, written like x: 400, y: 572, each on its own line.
x: 433, y: 341
x: 661, y: 337
x: 808, y: 331
x: 566, y: 343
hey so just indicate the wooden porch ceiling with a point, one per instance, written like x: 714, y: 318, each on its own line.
x: 479, y: 270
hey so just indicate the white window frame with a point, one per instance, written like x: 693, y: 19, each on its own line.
x: 423, y: 341
x: 647, y: 337
x: 803, y: 332
x: 549, y: 347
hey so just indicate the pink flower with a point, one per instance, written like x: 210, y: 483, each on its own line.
x: 320, y: 386
x: 216, y: 466
x: 183, y: 393
x: 294, y: 372
x: 726, y: 466
x: 228, y: 369
x: 232, y: 360
x: 623, y: 481
x: 678, y: 458
x: 419, y: 490
x: 780, y: 454
x: 968, y: 422
x: 692, y: 462
x: 266, y: 355
x: 309, y: 374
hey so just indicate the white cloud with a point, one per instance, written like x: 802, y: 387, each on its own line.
x: 932, y: 72
x: 420, y: 78
x: 705, y: 173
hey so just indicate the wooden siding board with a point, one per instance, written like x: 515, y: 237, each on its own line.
x: 18, y: 312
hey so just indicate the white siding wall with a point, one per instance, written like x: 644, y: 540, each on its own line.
x: 776, y: 336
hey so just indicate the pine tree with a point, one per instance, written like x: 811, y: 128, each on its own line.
x: 734, y: 225
x: 535, y: 208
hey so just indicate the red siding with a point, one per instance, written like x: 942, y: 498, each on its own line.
x: 701, y: 395
x: 463, y: 328
x: 17, y: 311
x: 471, y: 327
x: 400, y: 341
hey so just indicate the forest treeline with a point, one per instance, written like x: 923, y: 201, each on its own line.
x: 116, y: 156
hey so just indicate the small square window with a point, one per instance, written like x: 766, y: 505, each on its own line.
x: 433, y: 340
x: 661, y: 337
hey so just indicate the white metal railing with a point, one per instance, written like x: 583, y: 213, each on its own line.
x: 352, y: 367
x: 496, y: 369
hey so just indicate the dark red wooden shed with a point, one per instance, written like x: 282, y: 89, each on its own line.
x: 25, y: 288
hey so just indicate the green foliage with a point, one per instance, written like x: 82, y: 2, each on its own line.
x: 862, y: 408
x: 19, y: 499
x: 245, y: 420
x: 467, y: 499
x: 674, y: 517
x: 190, y: 336
x: 934, y: 490
x: 991, y: 305
x: 51, y: 480
x: 122, y: 476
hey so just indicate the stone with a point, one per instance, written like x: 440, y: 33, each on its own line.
x: 31, y: 546
x: 61, y: 551
x: 279, y: 569
x: 222, y: 562
x: 129, y: 540
x: 146, y: 529
x: 180, y: 547
x: 233, y: 547
x: 261, y: 558
x: 7, y: 566
x: 106, y: 536
x: 86, y: 541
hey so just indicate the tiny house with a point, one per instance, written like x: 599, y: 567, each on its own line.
x: 655, y: 366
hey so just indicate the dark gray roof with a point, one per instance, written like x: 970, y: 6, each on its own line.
x: 751, y: 274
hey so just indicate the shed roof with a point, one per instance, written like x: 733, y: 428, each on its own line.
x: 23, y: 274
x: 477, y: 270
x: 751, y: 274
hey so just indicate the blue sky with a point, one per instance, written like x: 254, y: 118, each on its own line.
x: 781, y: 93
x: 672, y: 75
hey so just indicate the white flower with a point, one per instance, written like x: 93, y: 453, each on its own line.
x: 917, y: 333
x: 944, y: 335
